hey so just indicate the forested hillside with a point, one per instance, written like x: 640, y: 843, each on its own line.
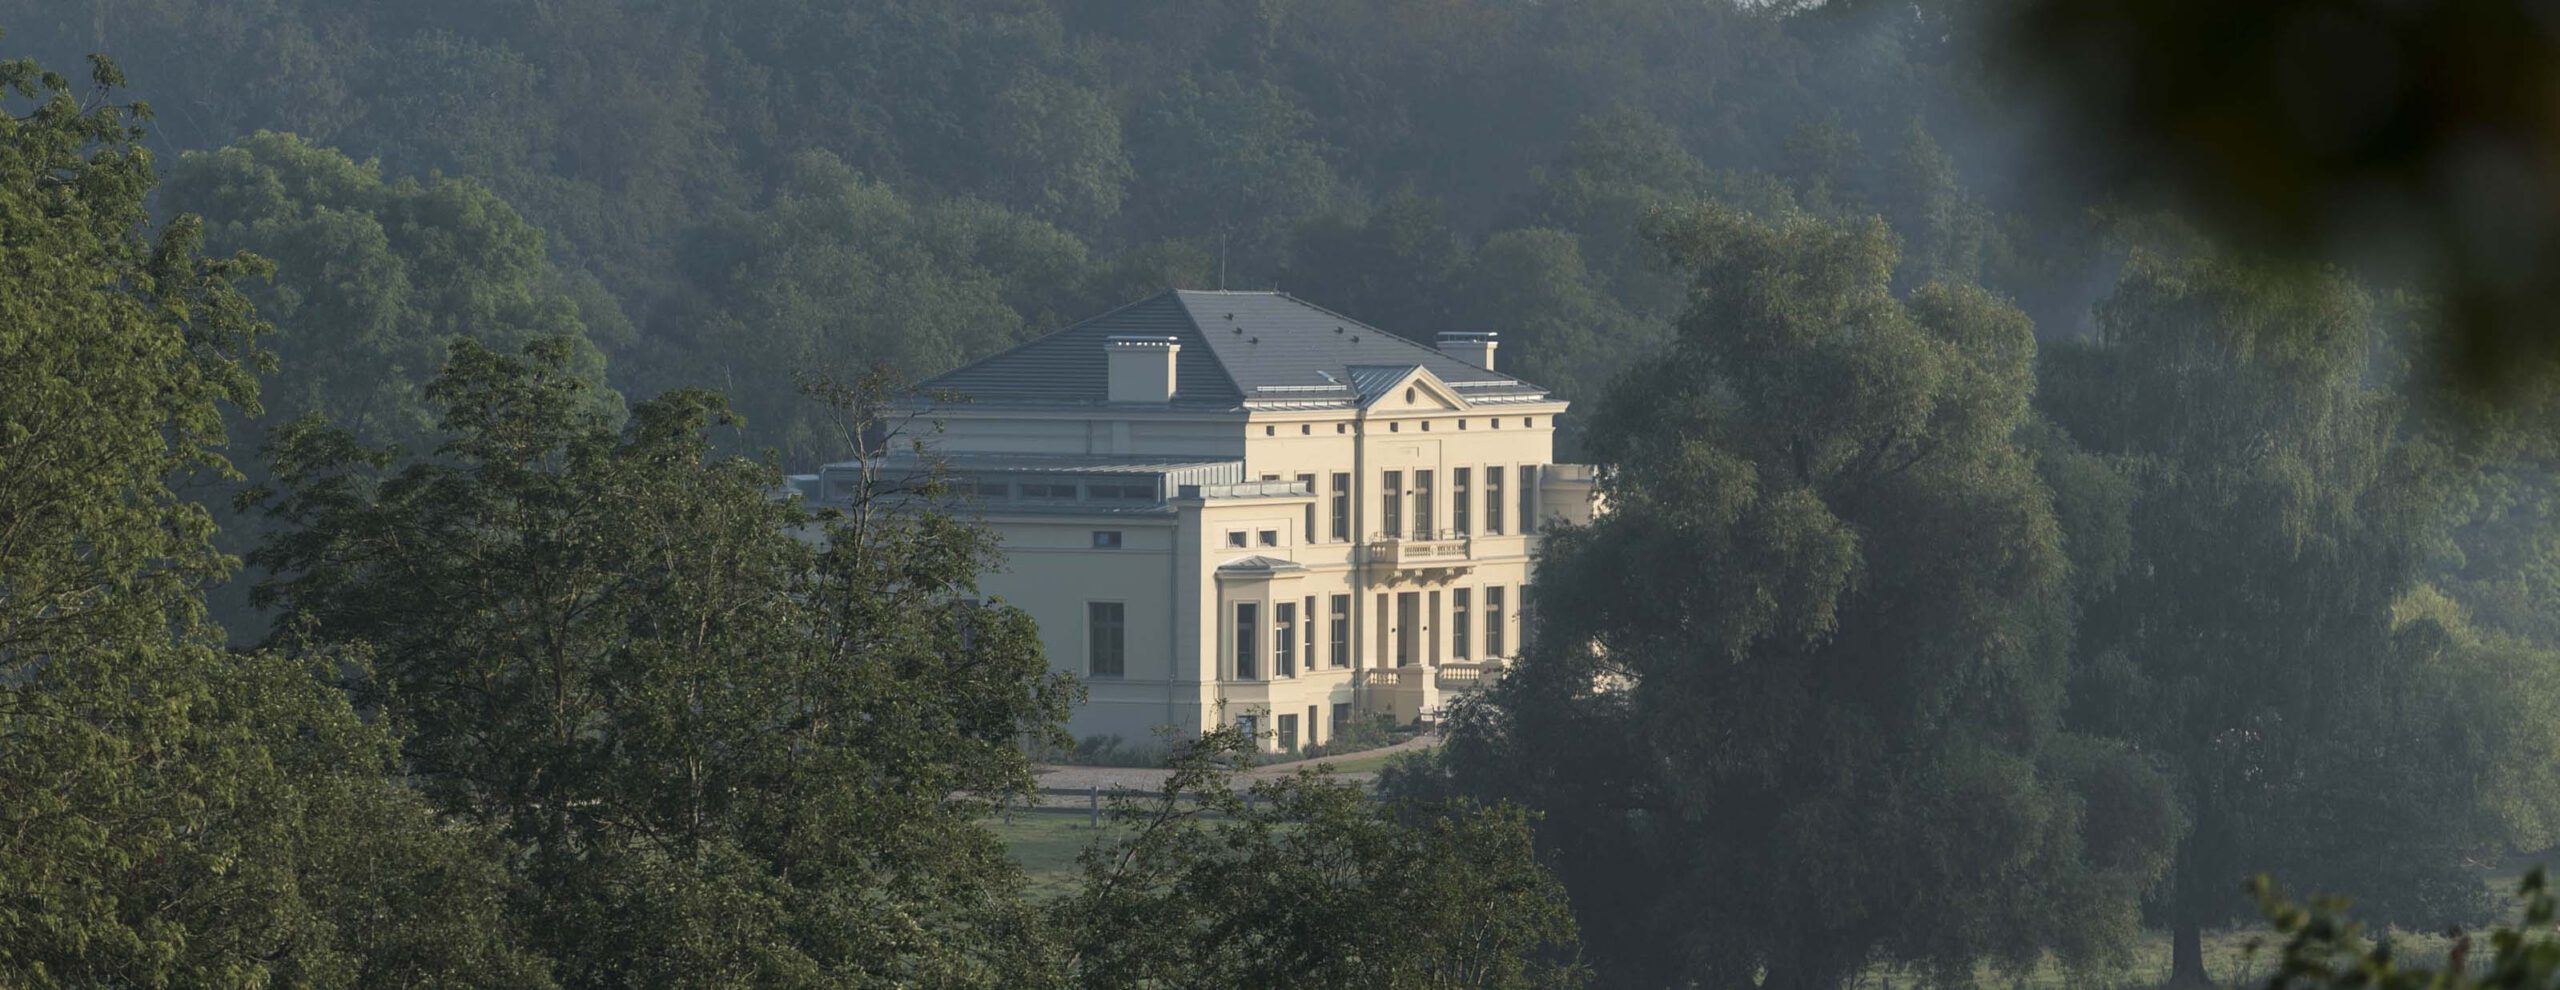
x: 1996, y: 569
x: 734, y: 193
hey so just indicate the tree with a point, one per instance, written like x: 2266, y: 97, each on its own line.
x: 1395, y: 267
x: 172, y: 814
x: 1307, y: 878
x: 1560, y: 327
x: 376, y: 278
x: 1793, y: 705
x: 2280, y: 510
x: 2270, y: 124
x: 1230, y: 164
x: 720, y: 753
x: 840, y: 273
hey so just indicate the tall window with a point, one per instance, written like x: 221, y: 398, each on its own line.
x: 1284, y: 639
x: 1391, y: 497
x: 1248, y: 630
x: 1288, y: 733
x: 1106, y: 626
x: 1307, y: 530
x: 1341, y: 507
x: 1339, y: 649
x: 1493, y: 499
x: 1461, y: 616
x: 1307, y: 616
x: 1528, y: 498
x: 1493, y: 621
x: 1461, y: 513
x: 1422, y: 505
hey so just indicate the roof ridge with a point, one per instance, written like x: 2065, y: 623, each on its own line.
x: 1214, y: 360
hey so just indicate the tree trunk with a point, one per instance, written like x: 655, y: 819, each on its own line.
x: 2186, y: 953
x: 2188, y: 904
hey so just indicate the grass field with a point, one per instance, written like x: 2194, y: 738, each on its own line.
x: 1362, y: 762
x: 1047, y: 843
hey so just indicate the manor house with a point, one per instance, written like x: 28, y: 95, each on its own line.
x: 1243, y: 498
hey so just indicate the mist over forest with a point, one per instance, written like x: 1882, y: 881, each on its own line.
x: 2003, y: 561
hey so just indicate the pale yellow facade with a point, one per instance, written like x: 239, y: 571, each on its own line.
x: 1285, y: 562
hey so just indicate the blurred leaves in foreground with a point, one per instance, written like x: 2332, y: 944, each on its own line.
x: 2416, y: 139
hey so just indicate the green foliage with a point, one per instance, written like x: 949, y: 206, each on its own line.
x: 2324, y: 947
x: 694, y: 165
x: 1794, y: 703
x: 2279, y: 513
x: 375, y: 279
x: 2323, y: 130
x: 171, y: 814
x: 719, y: 753
x: 1306, y: 878
x: 839, y: 273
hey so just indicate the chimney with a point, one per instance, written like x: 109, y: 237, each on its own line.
x: 1141, y: 368
x: 1471, y: 346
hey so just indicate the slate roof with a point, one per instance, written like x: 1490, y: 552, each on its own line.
x: 1259, y: 349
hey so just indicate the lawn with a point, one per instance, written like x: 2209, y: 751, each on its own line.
x: 1046, y: 844
x: 1367, y: 762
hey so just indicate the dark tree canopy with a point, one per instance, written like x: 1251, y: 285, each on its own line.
x: 1795, y: 702
x: 172, y: 814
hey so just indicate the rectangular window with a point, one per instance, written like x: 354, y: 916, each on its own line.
x: 1251, y: 726
x: 1307, y: 528
x: 1049, y: 491
x: 1309, y: 613
x: 1106, y: 539
x: 1120, y: 492
x: 1431, y: 624
x: 1106, y: 626
x: 1268, y: 537
x: 1391, y: 498
x: 1528, y: 498
x: 1339, y: 650
x: 1248, y: 634
x: 1493, y: 499
x: 1492, y: 621
x: 1460, y: 618
x: 1284, y: 639
x: 1461, y: 514
x: 1342, y: 508
x: 1288, y: 733
x: 1236, y: 539
x: 1311, y: 726
x: 1341, y: 719
x: 1408, y: 625
x: 1422, y: 529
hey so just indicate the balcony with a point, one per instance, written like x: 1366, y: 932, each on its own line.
x: 1444, y: 549
x: 1416, y: 692
x: 1468, y: 678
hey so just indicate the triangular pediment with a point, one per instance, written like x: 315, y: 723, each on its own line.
x: 1411, y: 388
